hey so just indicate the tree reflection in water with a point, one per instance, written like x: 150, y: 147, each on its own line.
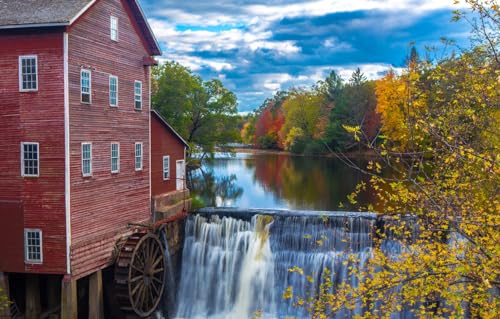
x: 278, y: 181
x: 215, y: 191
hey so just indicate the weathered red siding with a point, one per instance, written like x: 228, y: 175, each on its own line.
x: 32, y: 202
x: 103, y: 205
x: 163, y: 142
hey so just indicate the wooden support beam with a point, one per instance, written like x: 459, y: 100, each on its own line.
x: 33, y: 305
x: 69, y: 303
x: 96, y: 306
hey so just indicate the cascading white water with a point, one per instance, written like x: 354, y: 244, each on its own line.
x: 234, y: 267
x: 227, y: 269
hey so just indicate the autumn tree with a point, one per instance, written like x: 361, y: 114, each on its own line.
x: 441, y: 204
x: 302, y: 110
x: 269, y: 121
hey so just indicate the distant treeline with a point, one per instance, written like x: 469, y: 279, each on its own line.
x: 314, y: 120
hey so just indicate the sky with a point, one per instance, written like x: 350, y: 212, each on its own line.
x: 257, y: 47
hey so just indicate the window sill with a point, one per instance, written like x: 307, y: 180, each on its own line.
x: 28, y: 91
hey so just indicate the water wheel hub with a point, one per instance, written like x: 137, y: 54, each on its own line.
x: 140, y: 274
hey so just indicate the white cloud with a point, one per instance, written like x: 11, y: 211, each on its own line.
x: 196, y: 63
x: 323, y: 7
x: 336, y: 45
x: 217, y: 41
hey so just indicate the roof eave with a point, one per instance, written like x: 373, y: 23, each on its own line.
x: 33, y: 25
x: 82, y: 11
x: 156, y: 50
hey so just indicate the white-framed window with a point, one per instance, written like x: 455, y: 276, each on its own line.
x: 28, y: 73
x: 166, y: 167
x: 33, y: 252
x: 115, y: 157
x: 138, y: 156
x: 113, y: 90
x: 30, y: 159
x: 87, y: 159
x: 86, y: 86
x: 138, y: 95
x: 114, y: 28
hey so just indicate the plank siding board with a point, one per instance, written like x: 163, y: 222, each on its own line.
x: 32, y: 117
x: 163, y: 142
x: 105, y: 203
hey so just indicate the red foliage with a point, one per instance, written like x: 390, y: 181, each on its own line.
x: 371, y: 123
x: 269, y: 123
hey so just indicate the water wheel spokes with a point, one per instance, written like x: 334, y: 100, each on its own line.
x: 140, y: 274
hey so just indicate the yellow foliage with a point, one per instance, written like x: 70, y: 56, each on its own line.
x: 441, y: 125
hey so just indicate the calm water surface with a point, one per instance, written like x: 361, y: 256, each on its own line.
x: 276, y: 181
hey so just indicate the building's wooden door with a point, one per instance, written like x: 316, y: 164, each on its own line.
x: 180, y: 174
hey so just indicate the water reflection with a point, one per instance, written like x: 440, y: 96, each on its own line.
x: 277, y: 181
x: 216, y: 190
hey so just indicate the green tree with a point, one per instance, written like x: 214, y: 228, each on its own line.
x: 203, y: 112
x: 331, y: 87
x: 352, y: 107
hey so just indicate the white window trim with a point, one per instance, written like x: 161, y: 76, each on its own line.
x: 163, y: 170
x: 37, y: 162
x: 113, y: 77
x: 81, y: 155
x: 26, y: 259
x: 118, y: 162
x: 111, y: 28
x: 90, y: 86
x: 142, y: 156
x: 20, y: 66
x: 140, y: 96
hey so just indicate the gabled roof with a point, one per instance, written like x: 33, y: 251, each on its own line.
x: 16, y: 14
x: 33, y: 13
x: 165, y: 123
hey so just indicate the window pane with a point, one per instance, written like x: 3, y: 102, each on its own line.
x: 85, y: 86
x: 138, y: 156
x: 33, y: 245
x: 114, y: 28
x: 28, y: 73
x: 30, y: 159
x: 86, y: 159
x: 138, y: 94
x: 113, y: 85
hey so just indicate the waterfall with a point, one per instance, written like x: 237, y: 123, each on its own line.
x: 236, y: 263
x: 236, y: 266
x: 228, y: 268
x: 168, y: 303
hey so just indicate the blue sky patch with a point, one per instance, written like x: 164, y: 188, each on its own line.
x: 256, y: 48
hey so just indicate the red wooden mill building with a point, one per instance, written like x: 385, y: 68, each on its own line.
x: 76, y: 163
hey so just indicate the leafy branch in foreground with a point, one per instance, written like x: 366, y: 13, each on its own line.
x: 440, y: 141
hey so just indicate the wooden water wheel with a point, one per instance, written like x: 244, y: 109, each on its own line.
x: 140, y: 274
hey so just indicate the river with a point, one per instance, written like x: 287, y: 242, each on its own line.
x: 277, y: 181
x: 236, y: 261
